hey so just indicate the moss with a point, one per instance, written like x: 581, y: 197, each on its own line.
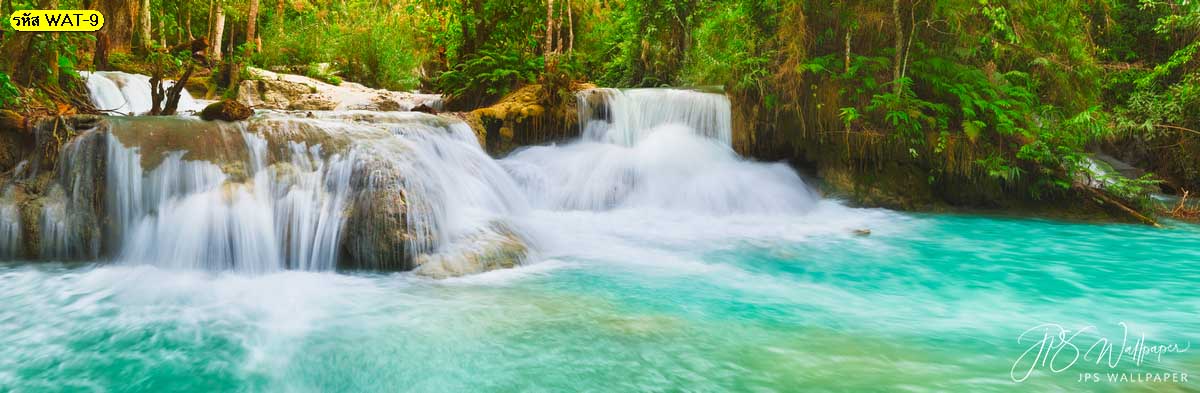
x: 201, y: 86
x: 530, y: 115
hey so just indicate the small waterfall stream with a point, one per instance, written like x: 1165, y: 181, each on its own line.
x: 656, y: 148
x: 125, y: 93
x: 380, y: 190
x: 10, y: 225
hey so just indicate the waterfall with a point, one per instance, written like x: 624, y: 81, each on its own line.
x: 227, y: 208
x: 346, y: 189
x: 125, y: 93
x: 656, y: 148
x: 10, y: 226
x: 627, y: 117
x: 378, y: 190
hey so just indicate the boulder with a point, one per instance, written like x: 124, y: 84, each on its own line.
x: 227, y: 110
x: 494, y: 247
x: 425, y: 109
x: 270, y: 90
x: 377, y: 234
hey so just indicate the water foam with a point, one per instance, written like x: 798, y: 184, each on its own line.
x: 125, y: 93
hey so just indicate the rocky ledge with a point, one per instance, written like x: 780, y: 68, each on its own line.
x: 269, y: 90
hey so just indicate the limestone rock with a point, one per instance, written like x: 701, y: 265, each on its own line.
x: 493, y: 248
x: 312, y: 102
x: 295, y: 92
x: 376, y: 234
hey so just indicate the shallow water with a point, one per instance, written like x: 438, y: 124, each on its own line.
x: 633, y: 300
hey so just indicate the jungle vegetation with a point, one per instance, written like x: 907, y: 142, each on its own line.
x: 1007, y: 97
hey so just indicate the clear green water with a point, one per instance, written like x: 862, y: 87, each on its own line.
x: 631, y: 302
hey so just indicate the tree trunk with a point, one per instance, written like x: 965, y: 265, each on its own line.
x: 549, y: 28
x: 208, y: 23
x: 162, y: 30
x: 187, y: 19
x: 912, y: 32
x: 19, y: 48
x: 232, y: 35
x: 847, y: 61
x: 251, y: 25
x: 218, y: 30
x: 279, y: 16
x: 570, y: 28
x: 100, y: 58
x: 899, y: 47
x: 145, y: 39
x: 171, y: 95
x: 119, y: 23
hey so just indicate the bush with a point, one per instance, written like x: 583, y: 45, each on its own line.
x: 9, y: 95
x: 488, y: 76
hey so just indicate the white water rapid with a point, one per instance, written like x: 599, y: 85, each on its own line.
x: 385, y: 190
x: 124, y: 93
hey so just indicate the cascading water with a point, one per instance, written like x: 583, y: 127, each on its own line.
x: 656, y: 148
x: 10, y: 226
x: 276, y: 192
x: 125, y: 93
x: 382, y: 190
x: 626, y: 117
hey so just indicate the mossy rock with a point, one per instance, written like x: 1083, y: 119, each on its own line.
x: 227, y: 110
x: 529, y: 115
x: 200, y: 87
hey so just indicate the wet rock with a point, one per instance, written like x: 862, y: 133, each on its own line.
x: 199, y: 86
x: 385, y: 104
x: 530, y: 115
x: 12, y: 122
x: 227, y: 110
x: 425, y: 108
x: 376, y: 235
x: 15, y: 139
x: 312, y: 102
x: 493, y: 248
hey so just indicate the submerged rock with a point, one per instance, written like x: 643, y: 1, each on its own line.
x: 492, y: 248
x: 227, y: 110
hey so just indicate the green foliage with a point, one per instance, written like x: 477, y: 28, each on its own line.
x: 1135, y: 190
x: 489, y: 75
x: 316, y: 71
x: 365, y: 41
x: 9, y: 95
x: 647, y: 43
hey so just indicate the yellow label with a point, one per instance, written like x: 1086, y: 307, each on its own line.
x: 57, y: 20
